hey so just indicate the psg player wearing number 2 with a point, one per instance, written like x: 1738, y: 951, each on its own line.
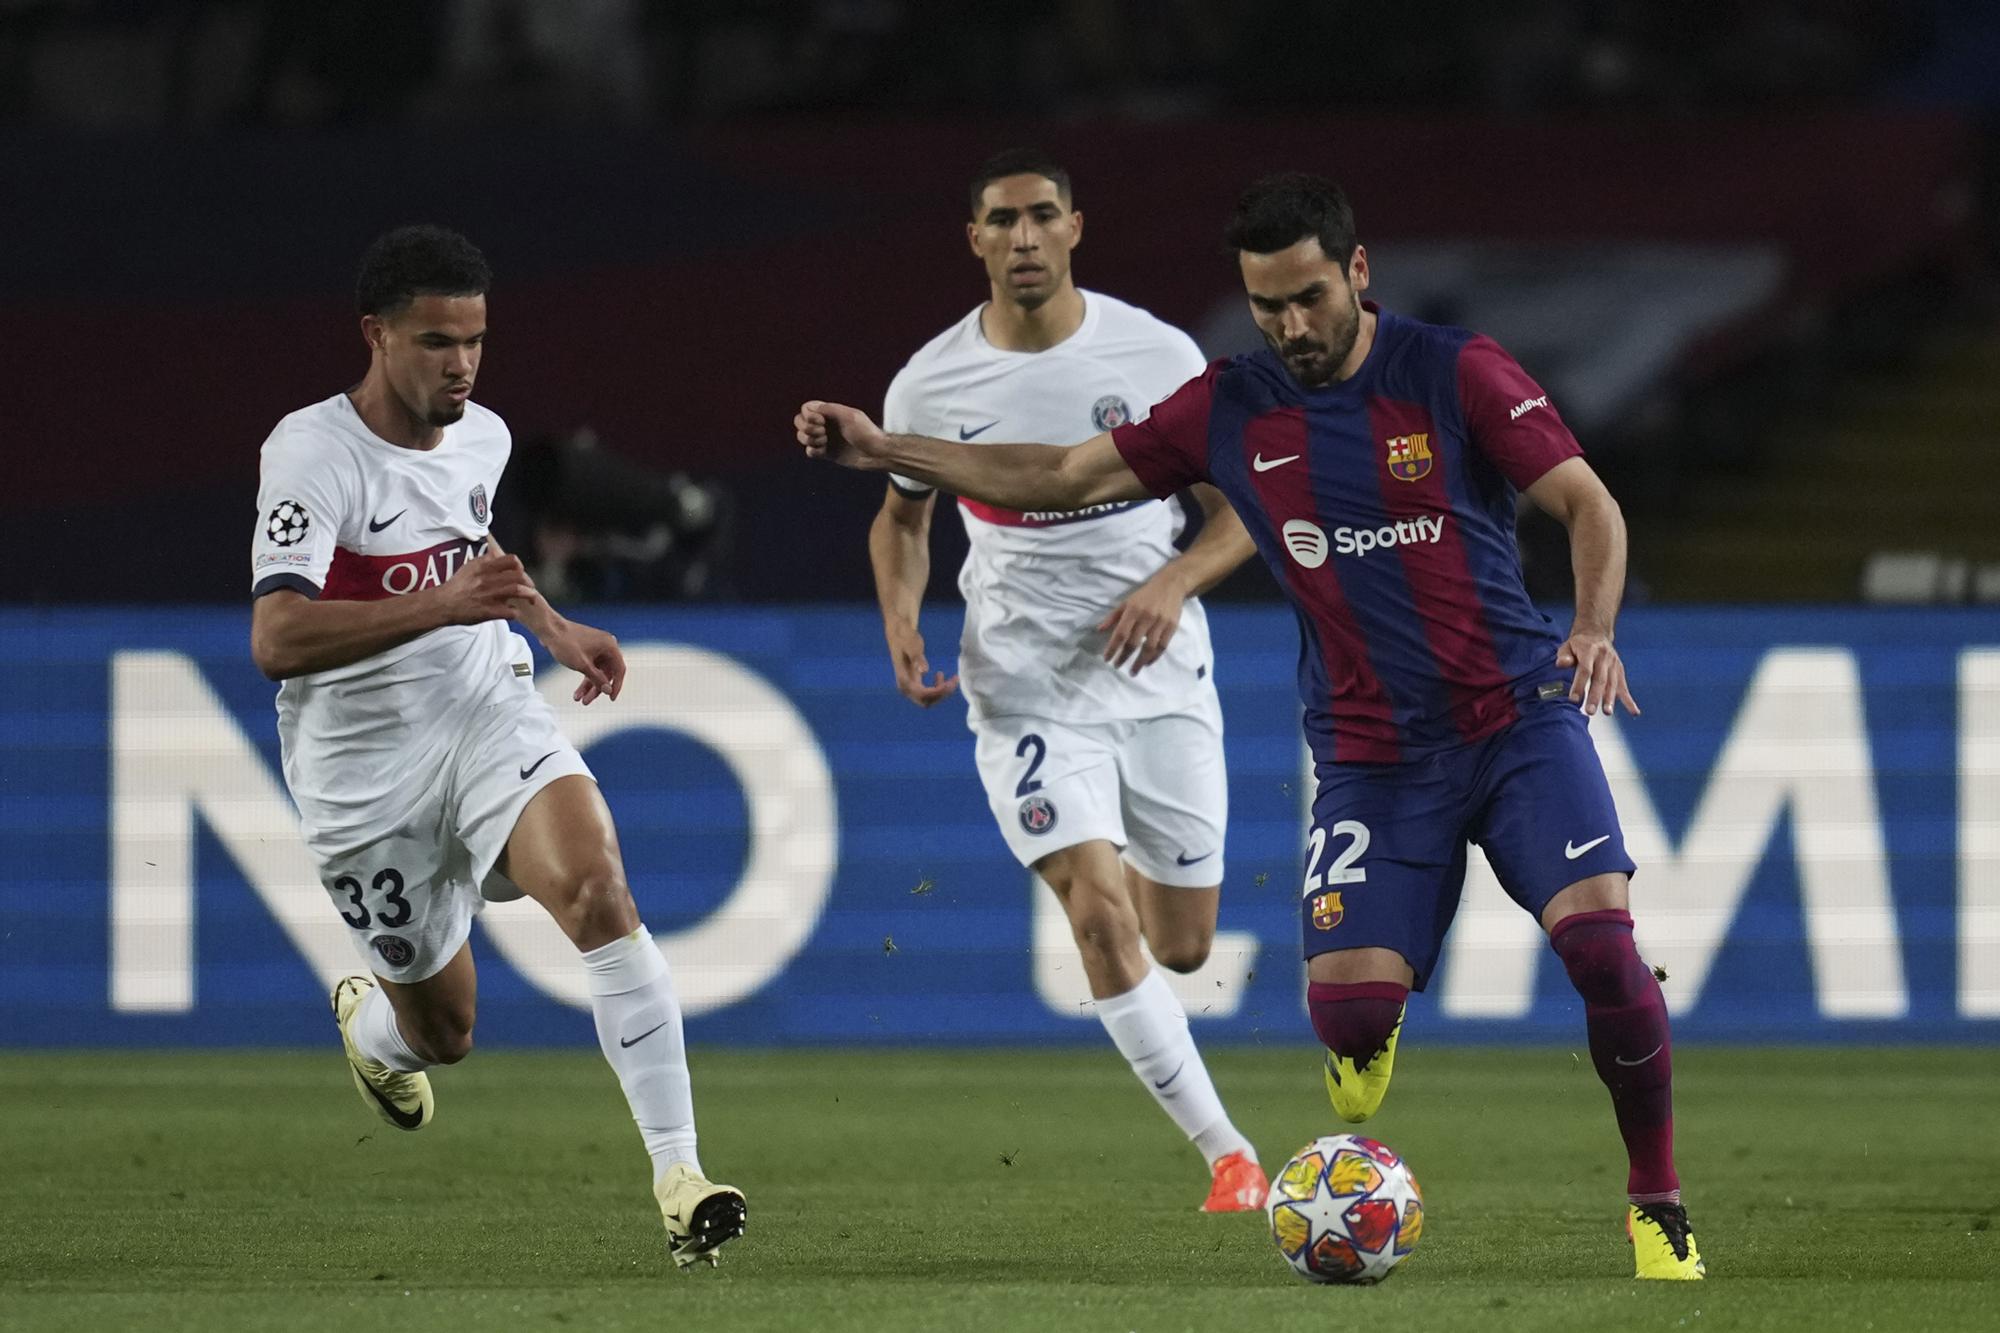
x: 1375, y: 461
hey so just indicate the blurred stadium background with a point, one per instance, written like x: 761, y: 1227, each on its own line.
x: 1750, y: 248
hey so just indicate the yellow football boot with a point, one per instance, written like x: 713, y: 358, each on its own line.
x: 404, y: 1100
x: 699, y: 1214
x: 1357, y: 1093
x: 1662, y: 1245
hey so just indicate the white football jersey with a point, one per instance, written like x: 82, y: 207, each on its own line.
x: 345, y: 515
x: 1036, y: 585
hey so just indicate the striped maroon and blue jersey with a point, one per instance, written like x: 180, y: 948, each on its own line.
x: 1384, y: 504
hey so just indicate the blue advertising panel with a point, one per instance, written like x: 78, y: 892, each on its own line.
x: 1813, y: 799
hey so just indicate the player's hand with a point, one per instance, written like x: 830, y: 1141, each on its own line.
x: 841, y: 434
x: 592, y: 653
x: 906, y: 651
x: 1600, y: 675
x: 485, y: 588
x: 1145, y: 623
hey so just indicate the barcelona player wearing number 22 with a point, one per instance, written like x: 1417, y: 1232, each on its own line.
x: 1375, y: 460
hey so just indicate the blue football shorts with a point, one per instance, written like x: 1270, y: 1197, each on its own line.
x: 1385, y: 859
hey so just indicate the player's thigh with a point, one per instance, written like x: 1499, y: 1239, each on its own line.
x: 1385, y: 863
x: 563, y: 852
x: 1545, y: 817
x: 1174, y: 795
x: 1178, y: 923
x: 408, y: 899
x: 1051, y: 785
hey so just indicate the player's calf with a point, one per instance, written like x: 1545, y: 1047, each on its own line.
x: 1631, y: 1044
x: 1358, y: 1023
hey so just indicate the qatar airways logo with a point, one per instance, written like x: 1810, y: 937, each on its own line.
x: 427, y: 569
x: 1308, y: 544
x: 354, y: 577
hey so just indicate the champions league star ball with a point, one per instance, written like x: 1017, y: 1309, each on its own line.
x: 288, y: 523
x: 1345, y: 1209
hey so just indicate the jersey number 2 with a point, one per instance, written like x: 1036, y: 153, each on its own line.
x: 1343, y: 870
x: 1029, y: 782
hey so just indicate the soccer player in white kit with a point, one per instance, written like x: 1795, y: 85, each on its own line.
x: 1085, y: 659
x: 426, y: 769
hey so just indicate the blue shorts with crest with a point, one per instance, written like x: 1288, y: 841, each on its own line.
x: 1385, y: 860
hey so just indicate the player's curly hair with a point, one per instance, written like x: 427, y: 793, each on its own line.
x: 1018, y: 162
x: 418, y: 261
x: 1281, y: 210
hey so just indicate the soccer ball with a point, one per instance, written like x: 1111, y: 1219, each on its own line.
x: 1345, y: 1209
x: 288, y: 523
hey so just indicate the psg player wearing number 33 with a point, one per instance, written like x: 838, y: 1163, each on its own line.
x: 428, y: 772
x: 1375, y: 461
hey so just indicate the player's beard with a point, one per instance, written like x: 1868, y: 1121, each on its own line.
x: 1328, y: 357
x: 446, y: 415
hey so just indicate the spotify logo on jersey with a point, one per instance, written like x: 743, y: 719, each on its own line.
x: 1306, y: 541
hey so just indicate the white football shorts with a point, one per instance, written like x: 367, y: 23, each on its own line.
x: 410, y: 895
x: 1154, y: 787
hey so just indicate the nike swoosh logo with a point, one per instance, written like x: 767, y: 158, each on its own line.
x: 405, y: 1119
x: 529, y: 771
x: 1263, y: 464
x: 376, y: 525
x: 1171, y: 1077
x: 965, y: 434
x: 1630, y: 1064
x: 1185, y: 860
x: 1572, y: 851
x: 642, y: 1036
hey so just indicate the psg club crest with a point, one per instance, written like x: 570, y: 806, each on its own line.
x: 1327, y: 911
x: 1410, y: 457
x: 1038, y: 815
x: 1109, y: 412
x: 395, y: 950
x: 479, y: 511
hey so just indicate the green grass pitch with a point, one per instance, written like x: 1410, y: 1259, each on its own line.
x: 1831, y: 1188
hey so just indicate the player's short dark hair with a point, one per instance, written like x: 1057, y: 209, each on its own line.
x: 418, y: 261
x: 1279, y: 211
x: 1018, y: 162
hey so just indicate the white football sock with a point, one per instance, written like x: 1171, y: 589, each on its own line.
x: 639, y: 1029
x: 1150, y: 1029
x: 378, y: 1038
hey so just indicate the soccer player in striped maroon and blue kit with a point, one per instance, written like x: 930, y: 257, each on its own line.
x: 1376, y: 461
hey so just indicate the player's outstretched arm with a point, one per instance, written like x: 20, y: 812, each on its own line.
x: 590, y: 652
x: 293, y: 635
x: 1014, y: 476
x: 1576, y: 496
x: 899, y: 549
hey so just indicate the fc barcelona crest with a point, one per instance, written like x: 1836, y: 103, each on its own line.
x: 1327, y: 911
x: 1410, y: 457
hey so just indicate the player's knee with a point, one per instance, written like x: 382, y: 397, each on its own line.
x: 443, y: 1037
x: 599, y: 909
x: 1603, y: 963
x: 1181, y: 955
x: 1103, y: 926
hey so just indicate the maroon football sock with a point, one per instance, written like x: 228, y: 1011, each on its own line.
x: 1355, y: 1019
x: 1629, y: 1042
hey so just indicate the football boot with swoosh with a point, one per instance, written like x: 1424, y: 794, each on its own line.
x: 700, y: 1214
x: 404, y: 1100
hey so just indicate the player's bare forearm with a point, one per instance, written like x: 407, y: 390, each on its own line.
x: 1222, y: 544
x: 292, y: 635
x: 534, y: 613
x: 1597, y: 560
x: 899, y: 550
x: 1015, y: 476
